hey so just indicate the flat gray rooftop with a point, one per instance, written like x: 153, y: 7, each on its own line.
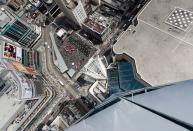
x: 162, y: 52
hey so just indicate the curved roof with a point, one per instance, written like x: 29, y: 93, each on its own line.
x: 166, y: 108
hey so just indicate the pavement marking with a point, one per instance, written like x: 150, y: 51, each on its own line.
x: 167, y: 32
x: 180, y: 42
x: 124, y: 32
x: 173, y: 50
x: 145, y: 7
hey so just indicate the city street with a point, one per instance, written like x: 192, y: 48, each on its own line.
x: 42, y: 29
x: 68, y: 84
x: 52, y: 75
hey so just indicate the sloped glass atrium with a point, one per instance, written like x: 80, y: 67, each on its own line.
x: 122, y: 76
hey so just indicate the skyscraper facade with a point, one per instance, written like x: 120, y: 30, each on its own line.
x: 73, y: 9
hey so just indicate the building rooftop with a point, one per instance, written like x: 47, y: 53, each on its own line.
x: 162, y: 50
x: 28, y: 85
x: 76, y: 51
x: 16, y: 89
x: 59, y: 62
x: 97, y: 22
x: 71, y: 4
x: 10, y: 51
x: 4, y: 19
x: 95, y: 68
x: 9, y: 107
x: 122, y: 77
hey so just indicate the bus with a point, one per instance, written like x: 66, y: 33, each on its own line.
x: 61, y: 83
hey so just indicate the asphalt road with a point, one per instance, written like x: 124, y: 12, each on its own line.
x: 52, y: 75
x: 68, y: 84
x: 58, y: 91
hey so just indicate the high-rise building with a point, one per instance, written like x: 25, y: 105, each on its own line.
x: 160, y: 108
x: 17, y: 30
x: 20, y: 94
x: 98, y: 2
x: 73, y: 9
x: 24, y: 80
x: 99, y: 26
x: 3, y: 86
